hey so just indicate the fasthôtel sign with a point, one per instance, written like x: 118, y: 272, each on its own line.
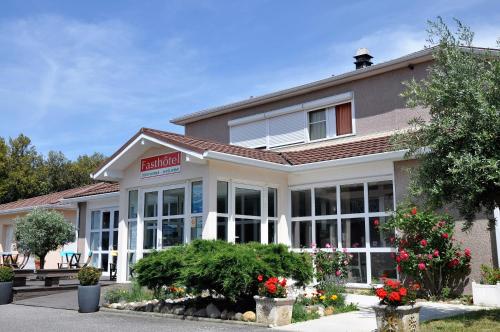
x: 161, y: 165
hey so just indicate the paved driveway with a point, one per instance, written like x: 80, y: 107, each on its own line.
x: 14, y: 317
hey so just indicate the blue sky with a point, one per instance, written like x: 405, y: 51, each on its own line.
x: 84, y: 76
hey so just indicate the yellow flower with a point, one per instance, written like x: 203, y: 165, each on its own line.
x: 333, y: 297
x: 322, y: 297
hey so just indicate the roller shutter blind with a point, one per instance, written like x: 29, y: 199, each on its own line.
x: 343, y: 115
x: 250, y: 135
x: 286, y: 129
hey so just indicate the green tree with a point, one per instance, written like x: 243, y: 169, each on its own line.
x: 42, y: 231
x: 82, y: 168
x: 459, y: 148
x: 58, y: 172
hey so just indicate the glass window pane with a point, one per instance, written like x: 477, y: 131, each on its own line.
x: 94, y: 240
x: 317, y: 130
x: 133, y: 202
x: 115, y: 240
x: 317, y: 116
x: 353, y: 233
x: 132, y: 235
x: 196, y: 228
x: 379, y: 238
x: 222, y: 197
x: 104, y: 262
x: 301, y: 234
x: 106, y: 219
x: 325, y: 201
x: 352, y: 199
x: 95, y: 260
x: 247, y: 202
x: 172, y: 232
x: 151, y: 204
x: 357, y: 268
x: 301, y: 203
x: 197, y: 197
x: 115, y: 219
x: 222, y: 228
x: 380, y: 197
x: 105, y: 240
x: 130, y: 263
x: 247, y: 230
x: 95, y: 220
x: 150, y: 234
x: 173, y: 202
x: 271, y: 231
x: 272, y: 202
x: 382, y: 266
x: 326, y: 233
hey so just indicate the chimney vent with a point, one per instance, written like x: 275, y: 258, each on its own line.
x: 362, y: 58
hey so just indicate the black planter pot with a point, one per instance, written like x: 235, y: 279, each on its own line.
x: 6, y: 292
x: 88, y: 298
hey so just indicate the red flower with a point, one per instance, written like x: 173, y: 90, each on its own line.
x: 381, y: 293
x: 400, y: 269
x: 414, y: 211
x: 403, y: 291
x: 394, y: 297
x: 423, y: 243
x: 421, y: 266
x: 271, y: 288
x: 436, y: 253
x: 260, y: 278
x: 467, y: 252
x: 376, y: 222
x: 283, y: 282
x: 444, y: 235
x: 454, y: 262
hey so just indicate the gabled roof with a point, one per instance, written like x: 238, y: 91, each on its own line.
x: 54, y: 199
x: 282, y: 161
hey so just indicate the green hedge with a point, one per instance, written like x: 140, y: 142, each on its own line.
x: 225, y: 268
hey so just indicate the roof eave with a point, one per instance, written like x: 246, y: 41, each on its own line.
x: 42, y: 206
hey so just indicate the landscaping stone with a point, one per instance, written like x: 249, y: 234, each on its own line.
x: 230, y: 315
x: 224, y: 314
x: 213, y: 311
x: 238, y: 316
x: 114, y: 305
x: 329, y: 311
x: 190, y: 311
x: 167, y: 308
x: 201, y: 313
x: 150, y: 307
x: 178, y: 310
x: 249, y: 316
x: 319, y: 309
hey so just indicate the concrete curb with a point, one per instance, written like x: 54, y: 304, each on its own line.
x: 181, y: 317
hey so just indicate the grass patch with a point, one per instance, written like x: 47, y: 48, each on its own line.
x: 133, y: 293
x: 300, y: 314
x: 483, y: 320
x: 346, y: 308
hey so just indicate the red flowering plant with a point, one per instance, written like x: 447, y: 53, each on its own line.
x: 426, y: 251
x: 272, y: 287
x: 331, y: 265
x: 393, y: 293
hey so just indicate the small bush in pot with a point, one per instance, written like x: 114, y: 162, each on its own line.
x: 89, y: 290
x: 6, y: 281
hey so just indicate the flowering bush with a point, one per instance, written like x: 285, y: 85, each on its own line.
x: 331, y: 265
x: 394, y: 294
x: 427, y: 252
x: 272, y: 287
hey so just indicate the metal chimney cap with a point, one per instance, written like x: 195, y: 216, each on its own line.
x: 362, y: 51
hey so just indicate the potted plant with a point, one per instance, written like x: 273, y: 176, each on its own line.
x: 397, y: 310
x: 6, y: 282
x: 487, y: 292
x: 89, y: 290
x: 273, y: 307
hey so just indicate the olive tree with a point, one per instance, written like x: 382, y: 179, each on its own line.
x: 42, y: 231
x: 459, y: 147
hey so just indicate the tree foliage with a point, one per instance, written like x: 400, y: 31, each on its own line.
x: 42, y: 231
x: 25, y: 173
x: 461, y: 160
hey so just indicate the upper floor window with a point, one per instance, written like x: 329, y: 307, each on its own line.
x: 317, y: 124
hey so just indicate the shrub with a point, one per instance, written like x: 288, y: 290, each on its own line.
x: 331, y: 265
x: 89, y: 276
x: 489, y: 275
x: 6, y: 274
x: 224, y: 268
x: 427, y: 252
x: 331, y: 294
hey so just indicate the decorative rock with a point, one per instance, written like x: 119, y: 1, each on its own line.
x: 167, y: 308
x: 178, y: 310
x: 319, y: 309
x: 249, y: 316
x: 223, y: 314
x: 201, y: 313
x: 238, y: 316
x: 213, y: 311
x: 150, y: 307
x: 190, y: 311
x: 329, y: 311
x: 114, y: 305
x: 159, y: 306
x: 230, y: 315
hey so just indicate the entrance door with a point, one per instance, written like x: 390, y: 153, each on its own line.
x: 104, y: 238
x: 248, y: 203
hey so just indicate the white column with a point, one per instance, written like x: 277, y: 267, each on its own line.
x: 121, y: 267
x: 264, y: 230
x: 284, y: 224
x: 210, y: 207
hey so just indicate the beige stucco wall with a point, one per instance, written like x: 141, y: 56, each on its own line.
x: 478, y: 238
x: 377, y: 104
x: 52, y: 258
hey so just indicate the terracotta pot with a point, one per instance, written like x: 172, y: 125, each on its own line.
x: 274, y: 311
x: 404, y: 318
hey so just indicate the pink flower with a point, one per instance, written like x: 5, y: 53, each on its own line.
x: 338, y: 273
x: 436, y: 253
x: 444, y: 235
x: 313, y: 245
x: 328, y: 245
x: 344, y: 250
x: 423, y: 243
x: 376, y: 222
x: 467, y: 252
x: 441, y: 223
x: 421, y: 266
x: 429, y: 256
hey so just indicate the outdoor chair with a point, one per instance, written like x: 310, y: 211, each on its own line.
x: 24, y: 262
x: 89, y: 260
